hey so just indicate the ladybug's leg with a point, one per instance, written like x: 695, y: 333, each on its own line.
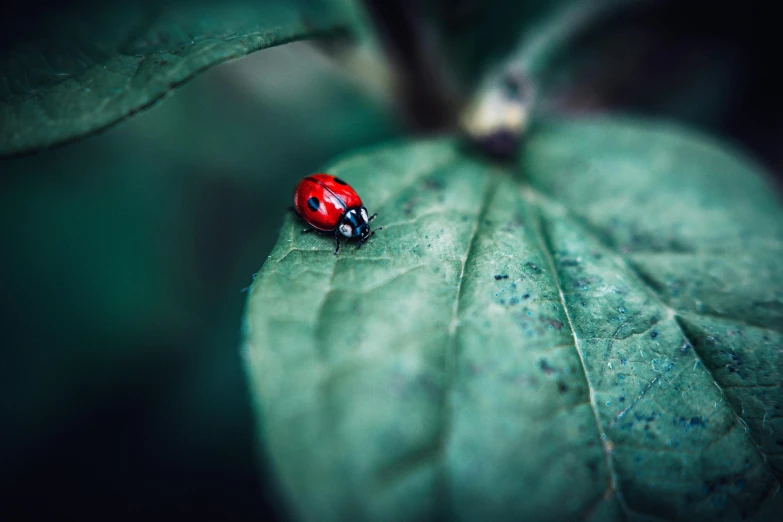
x: 372, y: 217
x: 307, y: 230
x: 337, y: 243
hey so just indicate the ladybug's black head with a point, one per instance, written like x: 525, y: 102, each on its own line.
x: 355, y: 223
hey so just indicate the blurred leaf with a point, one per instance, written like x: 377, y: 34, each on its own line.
x: 124, y: 263
x: 592, y: 334
x: 73, y: 71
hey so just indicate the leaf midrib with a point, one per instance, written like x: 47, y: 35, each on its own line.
x: 450, y: 352
x: 546, y: 249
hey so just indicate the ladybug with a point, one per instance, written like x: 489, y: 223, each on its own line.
x: 329, y: 204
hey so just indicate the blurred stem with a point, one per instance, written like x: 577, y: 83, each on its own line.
x: 424, y: 91
x: 424, y: 86
x: 539, y: 49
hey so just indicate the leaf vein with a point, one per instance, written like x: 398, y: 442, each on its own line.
x: 640, y: 278
x: 612, y: 485
x: 450, y: 355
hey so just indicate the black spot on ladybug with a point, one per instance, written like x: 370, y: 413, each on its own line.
x: 313, y: 203
x: 339, y: 181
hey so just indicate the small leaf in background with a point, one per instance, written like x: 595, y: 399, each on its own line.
x: 640, y: 57
x: 592, y: 334
x: 68, y: 72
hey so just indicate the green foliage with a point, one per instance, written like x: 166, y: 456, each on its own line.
x: 593, y: 333
x: 125, y: 255
x: 85, y: 69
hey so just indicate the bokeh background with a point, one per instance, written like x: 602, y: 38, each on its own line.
x: 125, y: 255
x: 124, y: 260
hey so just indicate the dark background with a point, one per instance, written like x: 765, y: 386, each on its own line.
x: 125, y: 255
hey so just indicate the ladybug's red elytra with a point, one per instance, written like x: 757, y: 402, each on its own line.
x: 329, y: 204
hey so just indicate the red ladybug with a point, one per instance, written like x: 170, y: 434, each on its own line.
x: 329, y: 204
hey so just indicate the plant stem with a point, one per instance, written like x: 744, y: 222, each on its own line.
x: 427, y: 98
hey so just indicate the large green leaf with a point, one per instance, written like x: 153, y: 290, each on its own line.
x: 81, y: 70
x: 592, y: 334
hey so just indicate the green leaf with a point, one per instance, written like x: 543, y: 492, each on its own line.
x: 592, y: 334
x: 79, y: 71
x: 83, y: 235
